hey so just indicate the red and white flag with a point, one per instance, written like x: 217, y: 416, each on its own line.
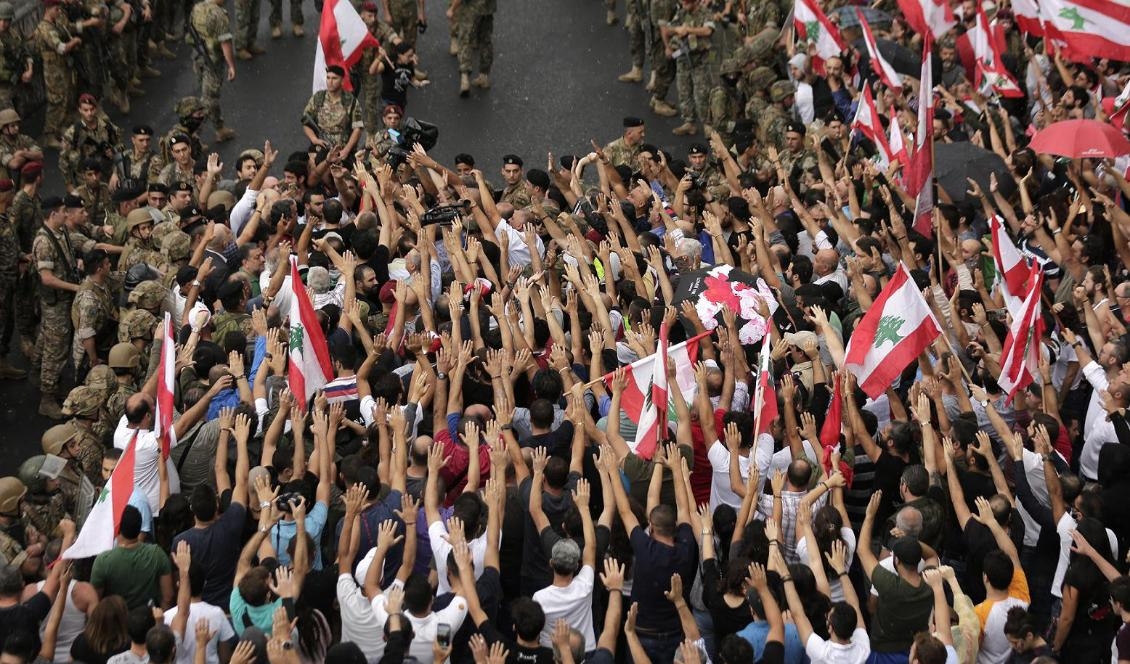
x: 812, y: 26
x: 1027, y: 13
x: 342, y: 36
x: 868, y: 123
x: 1020, y: 358
x: 919, y: 179
x: 1086, y: 29
x: 897, y: 144
x: 1010, y: 265
x: 898, y: 326
x: 765, y: 397
x: 879, y: 64
x: 991, y: 75
x: 1120, y: 107
x: 166, y: 388
x: 928, y: 17
x: 104, y: 520
x: 639, y: 400
x: 310, y: 367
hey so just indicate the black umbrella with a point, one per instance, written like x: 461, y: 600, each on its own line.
x: 849, y: 19
x: 954, y: 162
x: 904, y: 60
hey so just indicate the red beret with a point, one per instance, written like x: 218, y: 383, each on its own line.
x: 31, y: 169
x: 6, y: 185
x: 388, y: 292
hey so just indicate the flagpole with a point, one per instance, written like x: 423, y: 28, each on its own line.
x: 759, y: 391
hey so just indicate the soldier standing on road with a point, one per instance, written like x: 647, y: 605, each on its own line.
x: 296, y: 18
x: 93, y: 315
x: 247, y: 29
x: 687, y: 41
x: 26, y: 214
x: 637, y: 15
x: 16, y: 149
x: 623, y: 150
x: 58, y: 275
x: 190, y: 118
x: 56, y: 40
x: 212, y: 33
x: 370, y: 77
x: 16, y: 65
x: 332, y: 117
x: 662, y: 66
x: 94, y: 193
x: 474, y: 25
x: 9, y: 273
x: 405, y: 17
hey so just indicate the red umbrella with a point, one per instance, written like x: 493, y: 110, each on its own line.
x: 1081, y: 139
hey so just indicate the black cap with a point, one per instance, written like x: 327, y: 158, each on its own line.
x: 180, y: 185
x: 217, y: 213
x: 177, y: 139
x: 632, y: 121
x: 697, y: 148
x: 190, y: 212
x: 797, y: 127
x: 71, y: 202
x: 127, y: 192
x: 335, y: 69
x: 512, y: 160
x: 142, y: 130
x: 51, y: 203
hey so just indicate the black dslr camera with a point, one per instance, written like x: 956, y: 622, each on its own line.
x: 411, y: 132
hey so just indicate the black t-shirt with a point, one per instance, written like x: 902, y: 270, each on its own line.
x: 217, y: 547
x: 26, y: 617
x: 654, y: 564
x: 888, y: 475
x: 489, y: 589
x: 535, y: 562
x: 81, y: 651
x: 516, y: 654
x: 395, y: 83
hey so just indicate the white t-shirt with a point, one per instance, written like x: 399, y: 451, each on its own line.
x: 995, y: 648
x: 1063, y: 528
x: 217, y: 623
x: 820, y: 651
x: 848, y: 536
x: 573, y: 603
x: 147, y: 454
x: 358, y: 622
x: 437, y: 536
x: 721, y: 490
x: 424, y: 628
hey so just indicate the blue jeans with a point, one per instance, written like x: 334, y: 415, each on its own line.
x: 705, y: 624
x: 661, y: 646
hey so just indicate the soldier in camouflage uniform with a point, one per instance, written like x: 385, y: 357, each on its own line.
x: 16, y: 149
x: 102, y: 380
x: 662, y: 66
x: 45, y: 504
x: 332, y: 117
x: 73, y: 441
x: 772, y: 122
x: 687, y: 40
x: 213, y: 51
x: 140, y: 247
x: 369, y: 76
x: 26, y: 215
x: 726, y: 103
x: 94, y: 192
x: 94, y: 315
x: 404, y: 16
x: 190, y: 118
x: 296, y: 18
x: 247, y: 29
x: 755, y: 87
x: 699, y: 166
x: 474, y: 25
x: 56, y: 39
x: 636, y: 23
x: 517, y: 191
x: 9, y: 274
x: 12, y: 492
x: 16, y: 65
x: 125, y: 360
x: 623, y: 150
x: 140, y: 162
x: 796, y: 157
x: 55, y: 260
x: 93, y: 136
x: 180, y: 169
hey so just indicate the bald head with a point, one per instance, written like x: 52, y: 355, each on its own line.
x: 909, y: 521
x: 825, y: 262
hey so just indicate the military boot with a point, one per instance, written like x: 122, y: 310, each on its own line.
x: 481, y: 81
x: 633, y: 76
x: 685, y: 129
x: 8, y: 372
x: 650, y: 82
x: 224, y: 135
x: 611, y: 18
x: 464, y: 85
x: 298, y: 30
x: 49, y: 408
x: 662, y: 108
x: 164, y: 52
x: 243, y: 54
x: 276, y: 31
x: 454, y: 49
x: 256, y: 49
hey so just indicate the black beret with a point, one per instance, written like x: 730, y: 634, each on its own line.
x: 513, y: 160
x: 142, y: 130
x: 797, y: 127
x: 632, y: 121
x: 697, y: 148
x: 70, y: 201
x: 51, y: 203
x: 180, y: 185
x: 177, y: 139
x: 190, y: 212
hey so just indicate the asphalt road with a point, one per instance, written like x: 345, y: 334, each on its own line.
x: 554, y: 88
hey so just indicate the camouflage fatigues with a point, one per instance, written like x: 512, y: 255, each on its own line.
x: 82, y: 142
x: 9, y: 273
x: 635, y: 22
x: 93, y: 314
x: 517, y: 195
x: 661, y: 12
x: 224, y: 323
x: 136, y: 324
x: 804, y: 159
x: 116, y: 404
x: 246, y: 23
x: 692, y: 67
x: 76, y: 484
x: 8, y: 149
x: 173, y: 173
x: 276, y: 16
x: 96, y: 200
x: 333, y: 118
x: 58, y: 74
x: 214, y: 28
x: 11, y: 550
x: 402, y: 19
x: 198, y: 146
x: 45, y: 512
x: 474, y: 27
x: 144, y: 167
x: 13, y: 62
x: 371, y: 83
x: 26, y: 217
x: 725, y: 108
x: 619, y: 153
x: 771, y: 126
x: 54, y: 253
x: 137, y: 251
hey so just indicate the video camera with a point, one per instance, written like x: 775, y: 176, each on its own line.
x: 411, y: 132
x: 445, y: 214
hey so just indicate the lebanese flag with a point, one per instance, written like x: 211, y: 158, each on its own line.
x: 813, y: 26
x: 896, y: 329
x: 1020, y: 358
x: 1121, y: 106
x: 1086, y: 29
x: 991, y: 75
x: 310, y: 367
x: 765, y: 399
x: 878, y: 63
x: 928, y: 17
x: 897, y: 144
x: 867, y: 122
x: 166, y: 377
x: 648, y: 445
x: 1010, y: 265
x: 104, y: 520
x: 830, y: 434
x: 918, y: 181
x: 639, y: 399
x: 1027, y: 14
x: 342, y: 36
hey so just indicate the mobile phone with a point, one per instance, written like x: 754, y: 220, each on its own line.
x: 443, y: 635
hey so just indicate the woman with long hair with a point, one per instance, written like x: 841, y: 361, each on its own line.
x: 1086, y: 622
x: 105, y: 634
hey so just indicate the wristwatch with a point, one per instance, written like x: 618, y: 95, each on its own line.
x: 984, y: 403
x: 441, y: 376
x: 507, y: 427
x: 196, y: 283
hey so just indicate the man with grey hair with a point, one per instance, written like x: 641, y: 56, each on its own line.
x: 688, y: 254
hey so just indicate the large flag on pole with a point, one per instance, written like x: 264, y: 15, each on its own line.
x: 813, y: 26
x: 1020, y: 358
x: 879, y: 64
x: 1087, y: 29
x: 897, y: 146
x: 1027, y: 13
x: 898, y: 326
x: 342, y: 36
x: 928, y: 17
x: 867, y: 122
x: 1010, y: 265
x: 310, y: 367
x: 638, y: 402
x: 765, y: 401
x: 104, y: 520
x: 991, y: 75
x: 919, y: 181
x: 166, y: 386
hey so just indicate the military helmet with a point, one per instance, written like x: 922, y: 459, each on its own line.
x: 137, y: 324
x: 176, y: 246
x: 761, y: 78
x: 57, y: 436
x: 125, y: 355
x: 83, y: 401
x: 11, y: 488
x: 780, y: 90
x: 187, y: 106
x: 148, y: 294
x: 7, y: 11
x: 101, y: 379
x: 8, y: 115
x: 730, y: 66
x: 29, y: 474
x: 138, y: 217
x: 137, y: 274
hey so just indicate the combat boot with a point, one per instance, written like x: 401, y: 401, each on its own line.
x: 481, y: 81
x: 8, y: 372
x: 224, y: 135
x: 685, y: 129
x: 650, y: 82
x: 464, y: 85
x: 53, y: 143
x: 243, y: 54
x: 256, y: 49
x: 164, y: 52
x: 633, y: 76
x: 662, y: 108
x: 276, y: 31
x: 611, y: 18
x: 150, y: 72
x: 49, y: 408
x: 298, y: 30
x: 454, y: 49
